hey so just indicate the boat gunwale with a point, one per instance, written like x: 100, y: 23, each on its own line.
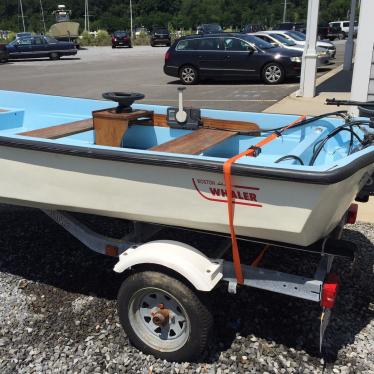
x: 327, y: 177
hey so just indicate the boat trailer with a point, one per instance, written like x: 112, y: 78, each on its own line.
x: 159, y: 299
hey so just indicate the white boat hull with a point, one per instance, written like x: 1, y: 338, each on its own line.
x: 297, y: 213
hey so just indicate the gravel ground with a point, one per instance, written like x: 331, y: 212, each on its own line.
x: 58, y: 311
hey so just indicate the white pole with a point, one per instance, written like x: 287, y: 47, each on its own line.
x: 309, y: 59
x: 348, y: 54
x: 284, y: 10
x: 88, y: 18
x: 131, y: 18
x: 361, y: 89
x: 43, y: 20
x: 23, y: 18
x: 85, y: 15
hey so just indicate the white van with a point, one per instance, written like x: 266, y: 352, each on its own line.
x: 344, y: 25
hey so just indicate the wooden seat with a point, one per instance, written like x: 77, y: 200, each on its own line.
x: 195, y: 142
x: 3, y: 110
x: 60, y: 131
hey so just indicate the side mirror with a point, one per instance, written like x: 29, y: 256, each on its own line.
x: 251, y: 51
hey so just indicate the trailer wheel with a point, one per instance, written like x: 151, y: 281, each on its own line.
x: 163, y: 317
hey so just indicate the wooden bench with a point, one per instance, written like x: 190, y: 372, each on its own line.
x: 195, y: 142
x: 60, y: 131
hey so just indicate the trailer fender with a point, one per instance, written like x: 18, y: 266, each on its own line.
x: 202, y: 272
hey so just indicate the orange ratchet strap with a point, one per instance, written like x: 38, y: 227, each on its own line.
x: 230, y: 203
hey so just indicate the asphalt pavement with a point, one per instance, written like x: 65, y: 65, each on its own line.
x: 98, y: 69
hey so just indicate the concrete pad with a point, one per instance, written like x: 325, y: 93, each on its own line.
x: 366, y: 211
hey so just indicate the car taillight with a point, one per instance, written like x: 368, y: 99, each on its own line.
x: 167, y: 56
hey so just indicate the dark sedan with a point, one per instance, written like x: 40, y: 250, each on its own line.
x: 230, y: 56
x: 40, y: 46
x: 4, y: 56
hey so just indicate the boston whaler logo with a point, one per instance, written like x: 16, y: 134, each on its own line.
x: 216, y: 191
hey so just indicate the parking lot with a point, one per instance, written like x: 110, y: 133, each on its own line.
x: 98, y: 69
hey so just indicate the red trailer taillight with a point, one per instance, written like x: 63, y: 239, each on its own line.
x: 329, y: 291
x: 352, y: 214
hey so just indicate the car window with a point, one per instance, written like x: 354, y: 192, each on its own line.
x: 253, y: 39
x: 50, y: 39
x: 356, y: 23
x: 161, y: 31
x: 25, y: 41
x: 187, y: 45
x: 38, y: 40
x: 234, y: 44
x: 295, y: 36
x: 209, y: 44
x: 212, y: 28
x: 345, y: 24
x: 120, y: 34
x: 264, y: 37
x: 283, y: 40
x: 335, y: 24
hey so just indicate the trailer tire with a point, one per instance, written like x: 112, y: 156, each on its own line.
x: 143, y: 297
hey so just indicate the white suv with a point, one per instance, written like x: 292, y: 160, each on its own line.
x: 344, y: 26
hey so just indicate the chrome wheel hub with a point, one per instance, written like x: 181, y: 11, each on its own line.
x: 159, y: 319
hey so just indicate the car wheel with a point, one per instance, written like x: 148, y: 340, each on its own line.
x: 113, y: 46
x: 188, y: 74
x: 3, y: 60
x: 163, y: 317
x: 54, y: 56
x: 273, y: 73
x: 344, y: 35
x: 130, y: 45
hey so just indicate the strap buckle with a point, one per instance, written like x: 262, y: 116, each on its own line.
x: 256, y: 150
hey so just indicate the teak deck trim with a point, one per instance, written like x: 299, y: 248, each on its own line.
x: 195, y: 142
x: 76, y: 127
x: 60, y: 131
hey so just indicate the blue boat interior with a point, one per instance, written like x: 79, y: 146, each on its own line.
x: 22, y: 112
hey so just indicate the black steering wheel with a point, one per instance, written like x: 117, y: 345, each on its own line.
x: 124, y: 99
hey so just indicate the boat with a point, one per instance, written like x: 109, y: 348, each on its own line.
x: 64, y: 30
x: 293, y: 181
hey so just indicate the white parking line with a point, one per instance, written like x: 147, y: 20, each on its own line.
x: 217, y: 100
x: 220, y: 86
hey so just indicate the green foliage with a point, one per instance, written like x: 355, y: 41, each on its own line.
x: 87, y: 39
x: 102, y: 38
x: 11, y: 37
x: 114, y: 15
